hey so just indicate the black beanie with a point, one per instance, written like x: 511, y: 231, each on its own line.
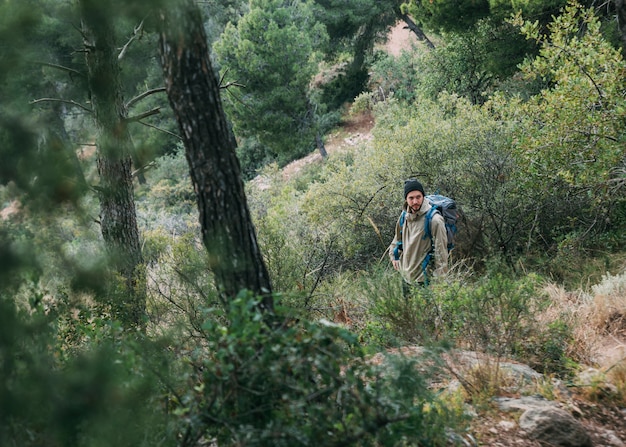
x: 412, y: 185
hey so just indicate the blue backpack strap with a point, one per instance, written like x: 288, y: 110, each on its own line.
x: 398, y: 248
x: 425, y: 263
x: 429, y: 218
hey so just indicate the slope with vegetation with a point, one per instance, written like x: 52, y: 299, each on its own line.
x: 335, y: 355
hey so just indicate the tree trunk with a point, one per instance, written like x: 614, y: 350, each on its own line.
x: 118, y: 218
x: 411, y: 25
x: 620, y: 9
x: 193, y: 91
x: 320, y: 145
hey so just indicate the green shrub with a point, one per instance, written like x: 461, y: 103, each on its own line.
x: 496, y: 314
x: 414, y: 318
x: 253, y: 156
x: 180, y: 285
x: 99, y: 395
x: 395, y: 76
x: 298, y: 255
x: 302, y: 384
x: 498, y: 311
x: 545, y: 349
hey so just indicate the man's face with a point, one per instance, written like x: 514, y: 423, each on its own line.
x: 415, y: 199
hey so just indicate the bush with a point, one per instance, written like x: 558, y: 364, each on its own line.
x: 414, y: 318
x: 302, y: 384
x: 253, y: 156
x: 99, y: 395
x: 496, y: 315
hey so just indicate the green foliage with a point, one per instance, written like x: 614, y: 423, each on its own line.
x: 297, y: 255
x: 533, y: 175
x: 498, y: 314
x: 495, y: 314
x: 470, y: 64
x: 460, y: 16
x: 345, y: 20
x: 541, y: 10
x: 253, y: 156
x: 411, y: 316
x: 455, y: 149
x: 545, y: 350
x: 301, y: 384
x: 353, y: 27
x: 397, y: 76
x: 272, y: 53
x: 180, y: 286
x: 36, y: 155
x: 218, y: 13
x: 170, y: 184
x: 444, y: 15
x: 570, y: 136
x: 344, y: 87
x: 100, y: 396
x: 166, y: 203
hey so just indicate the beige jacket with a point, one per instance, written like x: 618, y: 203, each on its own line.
x: 415, y: 247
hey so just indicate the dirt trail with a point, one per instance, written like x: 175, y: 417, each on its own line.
x: 354, y: 131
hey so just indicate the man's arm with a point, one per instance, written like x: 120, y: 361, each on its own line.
x: 440, y: 239
x: 395, y: 249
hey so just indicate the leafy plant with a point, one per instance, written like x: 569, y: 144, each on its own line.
x: 100, y: 393
x: 569, y: 142
x: 301, y: 384
x: 272, y: 54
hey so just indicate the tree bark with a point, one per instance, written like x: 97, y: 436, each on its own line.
x: 620, y: 9
x: 411, y: 25
x: 193, y: 91
x: 118, y: 218
x: 319, y: 142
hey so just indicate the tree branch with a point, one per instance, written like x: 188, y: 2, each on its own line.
x: 143, y: 115
x: 61, y: 67
x: 145, y: 94
x: 412, y: 26
x: 582, y: 69
x: 66, y: 101
x: 137, y: 34
x: 229, y: 84
x: 161, y: 130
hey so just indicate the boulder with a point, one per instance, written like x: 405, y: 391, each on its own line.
x: 554, y: 427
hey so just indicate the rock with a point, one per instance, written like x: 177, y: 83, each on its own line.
x: 522, y: 372
x: 507, y: 425
x: 554, y: 427
x: 524, y: 403
x: 611, y: 439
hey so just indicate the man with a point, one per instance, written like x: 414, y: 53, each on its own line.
x: 412, y: 250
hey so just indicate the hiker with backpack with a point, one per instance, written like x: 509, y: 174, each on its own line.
x: 421, y: 235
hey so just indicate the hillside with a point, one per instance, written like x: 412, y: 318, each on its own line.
x: 354, y: 129
x: 594, y: 397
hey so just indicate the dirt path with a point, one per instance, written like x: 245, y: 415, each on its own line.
x: 354, y: 131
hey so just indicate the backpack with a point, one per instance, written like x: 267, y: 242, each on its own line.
x: 448, y: 210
